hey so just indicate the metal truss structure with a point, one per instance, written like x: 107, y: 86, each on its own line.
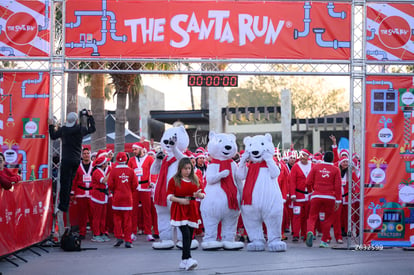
x: 357, y: 68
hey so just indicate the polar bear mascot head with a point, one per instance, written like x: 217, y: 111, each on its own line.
x: 175, y: 136
x: 221, y: 146
x: 259, y: 147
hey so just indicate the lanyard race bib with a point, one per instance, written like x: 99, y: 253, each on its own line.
x: 138, y: 172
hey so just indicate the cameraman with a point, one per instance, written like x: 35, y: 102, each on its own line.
x: 71, y: 135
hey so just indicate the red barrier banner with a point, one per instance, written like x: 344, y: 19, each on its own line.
x: 389, y: 155
x: 24, y: 106
x: 25, y: 215
x: 208, y: 29
x: 25, y: 28
x: 390, y: 31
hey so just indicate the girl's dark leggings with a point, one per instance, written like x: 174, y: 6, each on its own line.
x: 187, y: 233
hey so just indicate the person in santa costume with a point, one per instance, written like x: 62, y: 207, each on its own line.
x: 122, y: 182
x: 299, y: 194
x: 183, y: 190
x: 141, y: 164
x: 324, y: 183
x: 82, y: 185
x: 99, y: 199
x: 290, y: 160
x: 340, y: 219
x: 283, y: 180
x: 109, y: 224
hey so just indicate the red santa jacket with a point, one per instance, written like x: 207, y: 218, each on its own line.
x: 7, y: 178
x: 345, y: 190
x: 200, y: 177
x: 297, y: 181
x: 99, y: 192
x: 82, y: 183
x: 122, y: 182
x: 141, y: 169
x: 283, y: 179
x: 324, y: 181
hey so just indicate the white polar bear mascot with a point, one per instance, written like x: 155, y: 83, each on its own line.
x: 261, y: 198
x: 174, y: 142
x: 222, y: 200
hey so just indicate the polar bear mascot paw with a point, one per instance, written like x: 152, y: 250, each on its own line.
x: 277, y: 246
x: 256, y: 246
x: 163, y: 245
x: 213, y: 245
x: 232, y: 245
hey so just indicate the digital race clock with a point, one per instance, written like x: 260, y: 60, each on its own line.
x: 207, y: 80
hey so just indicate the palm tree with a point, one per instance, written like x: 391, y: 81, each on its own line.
x: 122, y: 83
x: 98, y: 140
x: 133, y: 105
x: 130, y: 84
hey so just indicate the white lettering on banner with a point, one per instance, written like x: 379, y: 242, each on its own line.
x: 175, y: 25
x: 154, y: 31
x: 219, y: 16
x: 248, y: 27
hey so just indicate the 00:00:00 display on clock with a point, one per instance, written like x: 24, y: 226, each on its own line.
x: 213, y: 80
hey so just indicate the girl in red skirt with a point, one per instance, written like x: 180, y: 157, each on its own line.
x: 183, y: 189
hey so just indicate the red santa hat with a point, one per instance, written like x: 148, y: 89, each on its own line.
x: 355, y: 156
x: 138, y: 145
x: 101, y: 153
x: 121, y: 157
x: 317, y: 156
x: 188, y: 153
x: 200, y: 155
x: 109, y: 151
x: 100, y: 161
x: 304, y: 152
x: 94, y: 154
x: 200, y: 150
x: 151, y: 152
x: 292, y: 154
x: 342, y: 159
x: 344, y: 152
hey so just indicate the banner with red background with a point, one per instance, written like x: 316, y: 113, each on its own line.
x: 24, y: 107
x: 25, y: 215
x: 25, y: 28
x: 389, y: 152
x: 208, y: 29
x: 390, y: 31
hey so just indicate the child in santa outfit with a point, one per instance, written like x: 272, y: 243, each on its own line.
x: 122, y: 182
x: 99, y: 199
x: 183, y: 190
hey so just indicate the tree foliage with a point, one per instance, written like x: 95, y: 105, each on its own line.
x: 311, y: 96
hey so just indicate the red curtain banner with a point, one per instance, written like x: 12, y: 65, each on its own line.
x: 25, y: 28
x: 208, y: 29
x: 389, y: 154
x: 25, y: 215
x: 390, y: 31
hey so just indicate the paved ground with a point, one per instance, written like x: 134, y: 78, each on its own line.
x: 142, y: 259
